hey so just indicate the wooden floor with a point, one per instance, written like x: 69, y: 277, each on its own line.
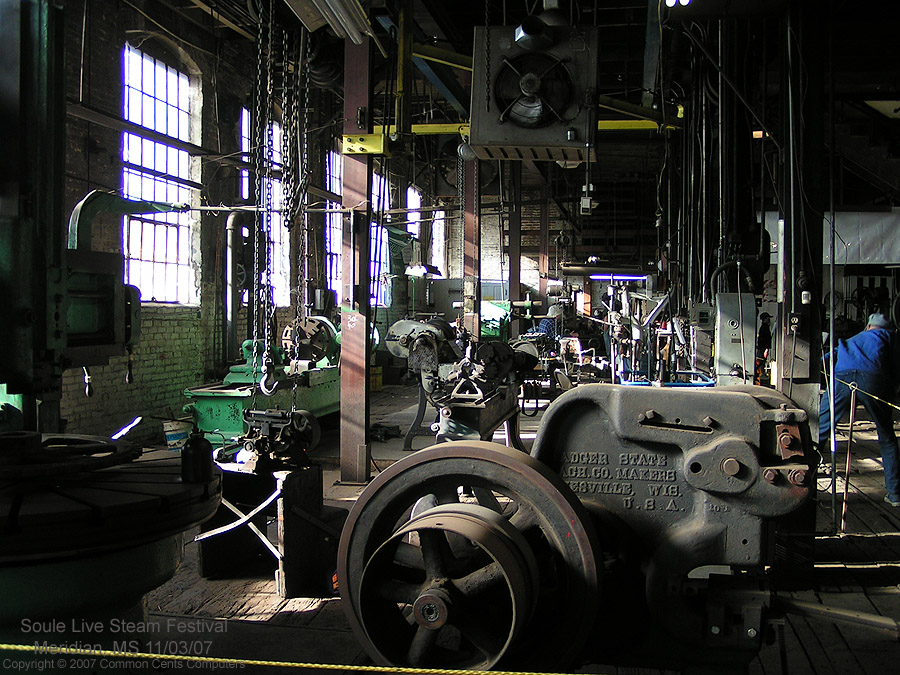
x: 857, y: 570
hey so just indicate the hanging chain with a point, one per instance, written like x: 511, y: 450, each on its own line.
x: 299, y: 140
x: 267, y: 300
x: 288, y: 132
x: 289, y: 173
x: 461, y: 195
x: 487, y: 55
x: 304, y: 171
x: 256, y: 154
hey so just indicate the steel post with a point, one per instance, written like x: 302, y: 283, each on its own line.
x: 544, y: 252
x: 355, y: 304
x: 472, y: 252
x: 515, y: 239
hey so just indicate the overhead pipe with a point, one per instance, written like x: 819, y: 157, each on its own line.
x: 587, y: 270
x: 232, y: 291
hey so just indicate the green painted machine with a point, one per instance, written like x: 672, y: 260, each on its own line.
x: 497, y: 315
x: 309, y: 380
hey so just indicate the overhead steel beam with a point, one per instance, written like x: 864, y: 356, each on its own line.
x: 628, y: 125
x: 327, y: 195
x: 215, y: 14
x: 462, y: 128
x: 443, y: 56
x: 109, y: 121
x: 670, y: 120
x: 433, y: 129
x: 438, y: 74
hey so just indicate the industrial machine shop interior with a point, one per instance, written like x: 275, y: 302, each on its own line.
x: 471, y: 336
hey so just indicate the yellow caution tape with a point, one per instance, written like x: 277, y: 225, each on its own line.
x: 855, y: 386
x: 70, y: 651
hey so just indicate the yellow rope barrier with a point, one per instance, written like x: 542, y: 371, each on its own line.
x: 853, y: 385
x: 83, y: 653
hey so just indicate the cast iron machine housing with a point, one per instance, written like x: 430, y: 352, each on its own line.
x: 640, y: 531
x: 303, y: 375
x: 474, y: 387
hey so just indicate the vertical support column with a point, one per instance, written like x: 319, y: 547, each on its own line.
x: 403, y: 118
x: 515, y: 239
x: 356, y: 452
x: 586, y: 294
x: 471, y: 253
x: 804, y: 204
x: 544, y: 244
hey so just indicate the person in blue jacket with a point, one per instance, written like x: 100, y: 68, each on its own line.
x: 868, y: 360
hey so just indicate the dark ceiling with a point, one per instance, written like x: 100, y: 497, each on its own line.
x: 685, y: 61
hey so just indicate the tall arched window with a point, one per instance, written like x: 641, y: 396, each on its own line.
x: 380, y: 257
x: 158, y: 247
x: 333, y: 237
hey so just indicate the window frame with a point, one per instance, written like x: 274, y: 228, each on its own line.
x: 158, y: 248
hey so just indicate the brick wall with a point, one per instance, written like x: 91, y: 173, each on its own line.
x: 168, y: 360
x: 494, y: 256
x: 180, y: 346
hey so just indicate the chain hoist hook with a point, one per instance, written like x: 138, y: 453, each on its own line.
x: 268, y: 383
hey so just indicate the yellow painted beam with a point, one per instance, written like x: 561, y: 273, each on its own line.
x: 445, y: 56
x: 626, y: 125
x: 461, y: 128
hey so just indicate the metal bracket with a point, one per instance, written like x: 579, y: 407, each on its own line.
x: 365, y: 144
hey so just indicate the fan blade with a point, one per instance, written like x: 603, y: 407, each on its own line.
x: 508, y: 108
x: 553, y: 110
x: 528, y: 112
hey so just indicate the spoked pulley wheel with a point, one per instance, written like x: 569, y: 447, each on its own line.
x: 463, y: 574
x: 469, y: 555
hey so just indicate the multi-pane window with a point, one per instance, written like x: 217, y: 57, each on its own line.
x: 379, y: 253
x: 333, y: 221
x: 278, y: 244
x: 158, y: 247
x: 438, y: 242
x: 413, y: 203
x: 245, y: 153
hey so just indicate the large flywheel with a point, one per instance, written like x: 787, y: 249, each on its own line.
x: 468, y: 555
